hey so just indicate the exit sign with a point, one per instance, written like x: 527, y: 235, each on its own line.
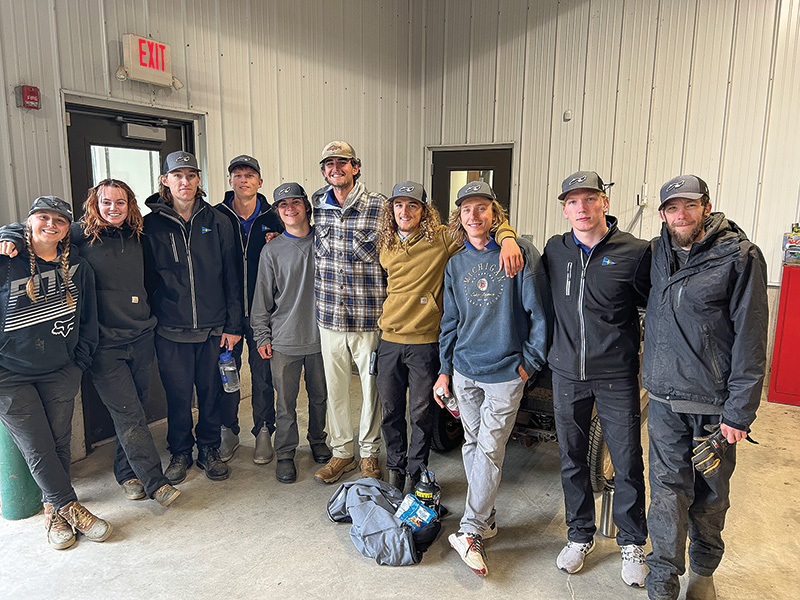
x: 147, y: 60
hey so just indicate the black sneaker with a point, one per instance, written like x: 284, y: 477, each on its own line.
x: 176, y: 471
x: 208, y: 459
x: 286, y: 472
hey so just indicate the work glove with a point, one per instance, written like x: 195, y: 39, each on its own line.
x: 707, y: 454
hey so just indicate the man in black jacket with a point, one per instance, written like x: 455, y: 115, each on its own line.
x: 254, y: 222
x: 703, y: 364
x: 598, y: 276
x: 191, y: 278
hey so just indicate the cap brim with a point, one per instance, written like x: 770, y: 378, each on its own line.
x: 460, y: 200
x: 563, y: 195
x: 242, y: 164
x: 687, y: 195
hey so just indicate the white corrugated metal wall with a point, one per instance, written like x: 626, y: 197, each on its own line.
x: 654, y: 88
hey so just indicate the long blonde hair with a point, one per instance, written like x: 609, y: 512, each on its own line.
x: 63, y: 247
x: 457, y: 229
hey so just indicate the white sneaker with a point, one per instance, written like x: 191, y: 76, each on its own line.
x: 491, y: 530
x: 634, y: 570
x: 470, y: 548
x: 571, y: 557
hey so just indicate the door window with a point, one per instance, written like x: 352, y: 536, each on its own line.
x: 138, y: 168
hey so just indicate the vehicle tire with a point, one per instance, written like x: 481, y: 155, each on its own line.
x: 600, y: 468
x: 448, y: 433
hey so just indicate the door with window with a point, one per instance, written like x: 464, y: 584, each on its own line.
x: 130, y: 147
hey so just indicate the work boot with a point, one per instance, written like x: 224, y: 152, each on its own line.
x: 700, y: 587
x: 59, y: 532
x: 286, y: 472
x: 264, y: 452
x: 397, y: 479
x: 335, y: 468
x: 176, y: 471
x: 208, y: 460
x: 133, y: 488
x: 370, y: 467
x: 321, y: 453
x: 229, y: 442
x: 571, y: 557
x: 166, y: 495
x: 94, y: 528
x: 470, y: 548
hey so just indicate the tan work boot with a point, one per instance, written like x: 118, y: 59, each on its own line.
x: 370, y: 467
x: 166, y: 495
x: 59, y: 533
x: 94, y: 528
x: 335, y: 468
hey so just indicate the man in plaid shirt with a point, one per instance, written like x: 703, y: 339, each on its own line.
x: 350, y: 288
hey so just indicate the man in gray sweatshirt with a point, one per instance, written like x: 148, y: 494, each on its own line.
x: 285, y: 329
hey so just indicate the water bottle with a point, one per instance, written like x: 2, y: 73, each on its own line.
x: 427, y: 490
x: 228, y: 372
x: 450, y: 402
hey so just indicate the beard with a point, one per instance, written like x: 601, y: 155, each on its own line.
x: 685, y: 240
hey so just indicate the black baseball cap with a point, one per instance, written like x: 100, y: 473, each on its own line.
x: 51, y: 203
x: 583, y: 180
x: 180, y: 160
x: 409, y: 189
x: 475, y: 189
x: 244, y: 161
x: 683, y: 186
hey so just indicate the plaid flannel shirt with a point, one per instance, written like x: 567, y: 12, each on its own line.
x: 349, y: 283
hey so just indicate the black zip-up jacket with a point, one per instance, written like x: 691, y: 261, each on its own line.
x: 190, y: 268
x: 47, y: 335
x: 123, y: 312
x: 595, y: 300
x: 249, y: 247
x: 706, y: 326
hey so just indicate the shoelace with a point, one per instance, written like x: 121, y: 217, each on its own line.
x: 79, y: 518
x: 56, y: 522
x: 476, y: 544
x: 582, y: 548
x: 633, y: 553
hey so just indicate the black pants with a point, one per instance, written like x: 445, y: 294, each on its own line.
x: 617, y: 402
x: 683, y: 502
x: 413, y: 368
x: 37, y: 412
x: 184, y: 366
x: 121, y: 376
x: 263, y: 398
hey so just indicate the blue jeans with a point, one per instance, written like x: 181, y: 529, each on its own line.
x: 617, y: 402
x: 121, y: 376
x: 37, y: 412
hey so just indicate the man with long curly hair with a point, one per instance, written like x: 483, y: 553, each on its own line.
x: 415, y: 247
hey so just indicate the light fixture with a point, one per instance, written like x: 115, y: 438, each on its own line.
x: 122, y: 73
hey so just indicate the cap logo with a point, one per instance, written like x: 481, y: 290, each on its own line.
x: 474, y: 188
x: 285, y: 190
x: 406, y: 188
x: 184, y: 158
x: 675, y: 186
x: 577, y: 180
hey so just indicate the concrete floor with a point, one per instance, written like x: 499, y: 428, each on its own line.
x: 252, y: 537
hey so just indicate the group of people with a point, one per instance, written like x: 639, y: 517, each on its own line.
x: 425, y: 310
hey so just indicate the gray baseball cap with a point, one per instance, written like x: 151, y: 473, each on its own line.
x: 180, y: 160
x: 475, y: 189
x: 51, y: 203
x: 409, y: 189
x: 583, y: 180
x: 244, y: 161
x: 683, y: 186
x: 288, y: 190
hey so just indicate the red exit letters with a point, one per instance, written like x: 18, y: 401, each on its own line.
x: 151, y: 54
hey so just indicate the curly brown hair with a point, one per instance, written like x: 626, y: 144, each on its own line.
x: 457, y: 230
x: 94, y: 224
x: 387, y: 240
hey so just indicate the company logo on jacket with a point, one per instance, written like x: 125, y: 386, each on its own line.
x: 204, y: 230
x: 607, y: 261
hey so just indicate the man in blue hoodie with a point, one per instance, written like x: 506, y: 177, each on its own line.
x: 494, y: 337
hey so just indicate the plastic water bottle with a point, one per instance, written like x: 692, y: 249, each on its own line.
x: 228, y: 372
x: 450, y: 402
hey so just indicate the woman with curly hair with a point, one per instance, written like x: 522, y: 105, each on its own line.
x: 109, y: 239
x: 49, y: 331
x: 414, y: 249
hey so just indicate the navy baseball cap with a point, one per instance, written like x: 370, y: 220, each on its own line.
x: 180, y: 160
x: 244, y: 161
x: 583, y: 180
x: 475, y: 189
x: 51, y: 203
x: 288, y: 190
x: 409, y: 189
x: 683, y: 186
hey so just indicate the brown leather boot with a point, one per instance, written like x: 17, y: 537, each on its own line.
x: 335, y: 468
x: 370, y: 467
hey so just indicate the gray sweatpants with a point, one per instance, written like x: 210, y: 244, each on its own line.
x: 488, y: 411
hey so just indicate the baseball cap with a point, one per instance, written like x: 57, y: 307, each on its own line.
x: 683, y: 186
x: 288, y: 190
x: 583, y: 180
x: 180, y: 160
x: 244, y: 161
x: 338, y: 150
x: 52, y: 203
x: 409, y: 189
x: 475, y: 189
